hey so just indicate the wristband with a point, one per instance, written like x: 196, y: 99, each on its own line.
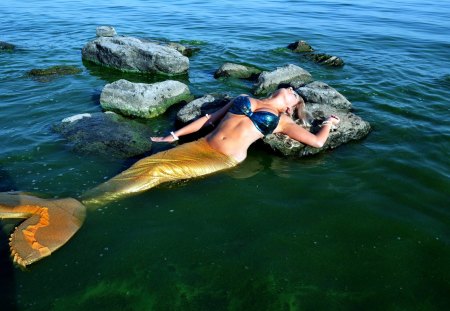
x: 175, y: 137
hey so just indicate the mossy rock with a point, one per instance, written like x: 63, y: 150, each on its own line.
x: 59, y: 70
x: 8, y: 47
x: 106, y: 134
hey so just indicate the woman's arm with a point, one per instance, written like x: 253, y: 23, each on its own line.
x: 195, y: 125
x: 295, y: 131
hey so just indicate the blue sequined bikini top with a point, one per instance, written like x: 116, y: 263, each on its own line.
x: 266, y: 122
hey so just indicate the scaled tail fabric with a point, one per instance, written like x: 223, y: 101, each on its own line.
x: 48, y: 224
x: 182, y: 162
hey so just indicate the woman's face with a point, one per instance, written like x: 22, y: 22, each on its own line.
x: 294, y: 97
x: 291, y: 97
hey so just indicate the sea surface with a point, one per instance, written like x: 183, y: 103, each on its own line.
x: 363, y: 227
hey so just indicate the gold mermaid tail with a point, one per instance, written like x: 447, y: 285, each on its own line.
x: 49, y: 224
x: 189, y: 160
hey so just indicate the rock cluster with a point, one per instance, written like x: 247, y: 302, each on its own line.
x: 110, y: 134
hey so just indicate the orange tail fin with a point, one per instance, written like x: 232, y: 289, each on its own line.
x: 49, y: 224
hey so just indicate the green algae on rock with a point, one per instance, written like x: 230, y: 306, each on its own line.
x: 106, y: 134
x: 58, y: 70
x: 300, y: 47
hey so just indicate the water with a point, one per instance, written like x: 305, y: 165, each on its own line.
x: 364, y: 227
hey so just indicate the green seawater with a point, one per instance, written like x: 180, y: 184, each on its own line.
x: 363, y: 227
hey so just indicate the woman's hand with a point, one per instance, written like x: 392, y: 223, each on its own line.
x: 334, y: 120
x: 167, y: 139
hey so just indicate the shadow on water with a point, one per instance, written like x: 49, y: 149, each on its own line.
x: 7, y: 282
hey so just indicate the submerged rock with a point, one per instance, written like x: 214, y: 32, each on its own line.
x: 59, y: 70
x: 5, y: 46
x: 328, y: 60
x: 183, y: 49
x: 131, y: 54
x: 107, y: 134
x: 201, y: 106
x: 300, y: 47
x: 292, y: 74
x: 106, y: 31
x: 237, y: 71
x: 141, y: 99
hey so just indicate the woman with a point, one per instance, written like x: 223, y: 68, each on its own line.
x: 242, y: 121
x: 51, y: 223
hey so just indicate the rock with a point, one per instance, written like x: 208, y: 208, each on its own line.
x: 328, y: 60
x: 300, y: 47
x: 321, y: 93
x: 130, y: 54
x: 201, y: 106
x: 55, y: 70
x: 107, y: 134
x: 183, y: 49
x: 141, y: 99
x: 106, y: 31
x: 350, y: 128
x: 5, y: 46
x: 269, y: 81
x: 237, y: 71
x: 322, y: 101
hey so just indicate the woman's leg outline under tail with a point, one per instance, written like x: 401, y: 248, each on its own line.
x: 186, y: 161
x: 48, y: 225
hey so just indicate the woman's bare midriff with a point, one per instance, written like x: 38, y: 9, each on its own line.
x: 233, y: 136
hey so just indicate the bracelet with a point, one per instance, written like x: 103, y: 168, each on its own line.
x: 175, y: 137
x: 209, y: 122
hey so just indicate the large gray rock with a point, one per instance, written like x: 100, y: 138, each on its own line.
x: 349, y: 129
x: 134, y: 55
x: 269, y: 81
x: 237, y: 71
x: 322, y: 101
x: 107, y: 134
x: 141, y: 99
x: 201, y: 106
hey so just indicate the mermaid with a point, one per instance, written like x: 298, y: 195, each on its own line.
x: 49, y: 224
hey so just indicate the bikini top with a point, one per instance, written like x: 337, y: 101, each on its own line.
x: 266, y: 122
